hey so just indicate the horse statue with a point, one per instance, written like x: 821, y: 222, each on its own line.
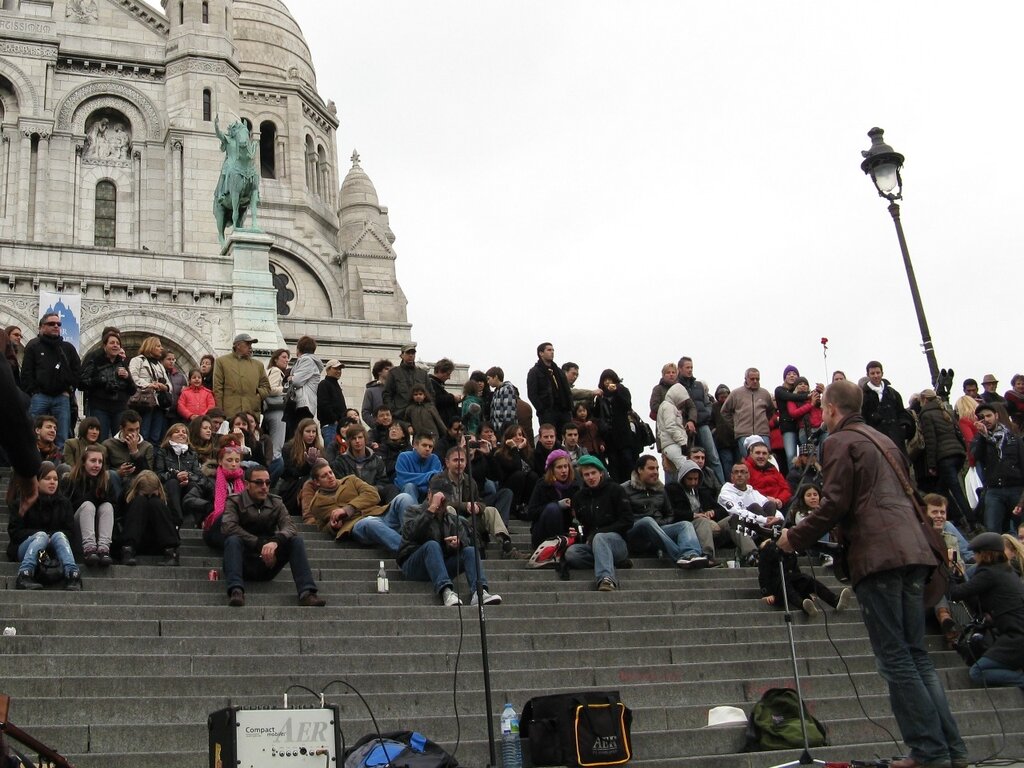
x: 238, y: 188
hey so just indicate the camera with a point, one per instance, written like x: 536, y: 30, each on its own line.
x: 472, y: 444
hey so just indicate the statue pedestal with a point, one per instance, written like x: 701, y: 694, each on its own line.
x: 254, y: 298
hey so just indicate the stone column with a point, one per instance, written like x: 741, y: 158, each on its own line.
x: 76, y: 183
x: 137, y: 187
x: 39, y: 227
x: 281, y: 158
x: 253, y: 297
x: 177, y: 212
x: 5, y: 153
x: 21, y: 205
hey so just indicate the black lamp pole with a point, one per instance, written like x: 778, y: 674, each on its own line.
x: 884, y: 165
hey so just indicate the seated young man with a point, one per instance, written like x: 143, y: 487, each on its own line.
x: 260, y: 539
x: 655, y: 528
x: 436, y: 547
x: 765, y: 477
x: 603, y: 510
x: 128, y: 454
x: 363, y: 462
x: 547, y: 441
x: 378, y: 434
x: 351, y: 507
x: 737, y: 495
x: 571, y: 443
x: 414, y: 468
x: 46, y: 441
x: 459, y: 488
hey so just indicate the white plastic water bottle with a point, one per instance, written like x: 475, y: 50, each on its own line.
x: 382, y: 579
x: 511, y: 749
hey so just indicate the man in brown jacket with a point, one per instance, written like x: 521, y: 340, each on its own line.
x: 239, y: 382
x: 889, y: 559
x: 351, y: 507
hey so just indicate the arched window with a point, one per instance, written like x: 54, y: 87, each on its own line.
x: 206, y: 12
x: 207, y: 105
x: 106, y: 214
x: 248, y: 124
x: 268, y: 141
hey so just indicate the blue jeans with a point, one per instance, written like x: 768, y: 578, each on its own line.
x: 240, y: 565
x: 891, y: 603
x: 992, y: 673
x: 951, y: 488
x: 413, y: 490
x: 58, y: 543
x: 791, y: 442
x: 153, y: 425
x: 727, y: 457
x: 373, y: 530
x: 429, y: 563
x: 713, y: 460
x: 395, y: 515
x: 602, y: 553
x: 329, y: 432
x: 673, y: 540
x: 108, y: 422
x: 59, y: 407
x: 999, y: 502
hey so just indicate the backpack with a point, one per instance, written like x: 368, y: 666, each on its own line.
x: 49, y: 570
x: 641, y: 429
x: 408, y: 749
x: 550, y: 551
x: 775, y: 723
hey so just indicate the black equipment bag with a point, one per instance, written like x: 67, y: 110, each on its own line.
x: 49, y: 570
x: 404, y: 749
x: 581, y: 729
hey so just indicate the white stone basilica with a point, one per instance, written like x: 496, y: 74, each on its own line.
x: 109, y: 160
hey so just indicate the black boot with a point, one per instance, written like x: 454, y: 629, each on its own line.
x: 25, y: 581
x: 127, y: 556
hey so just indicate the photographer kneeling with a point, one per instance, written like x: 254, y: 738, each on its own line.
x: 1001, y: 595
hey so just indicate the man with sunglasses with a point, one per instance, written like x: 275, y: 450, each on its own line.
x: 49, y: 374
x: 260, y: 539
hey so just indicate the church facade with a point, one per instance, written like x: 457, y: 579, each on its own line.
x: 109, y: 160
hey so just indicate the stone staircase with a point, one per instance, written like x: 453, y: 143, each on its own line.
x: 126, y: 672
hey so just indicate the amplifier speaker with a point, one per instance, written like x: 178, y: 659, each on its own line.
x: 242, y: 737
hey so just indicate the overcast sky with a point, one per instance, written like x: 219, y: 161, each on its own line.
x: 639, y: 181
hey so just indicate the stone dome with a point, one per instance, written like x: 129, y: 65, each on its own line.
x: 357, y: 189
x: 269, y: 43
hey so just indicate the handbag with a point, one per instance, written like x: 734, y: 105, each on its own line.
x: 49, y: 570
x: 579, y: 730
x: 938, y: 580
x: 143, y: 400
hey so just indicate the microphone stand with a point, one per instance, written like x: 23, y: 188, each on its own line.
x: 481, y: 619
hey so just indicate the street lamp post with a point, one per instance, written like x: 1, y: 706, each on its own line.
x: 883, y: 165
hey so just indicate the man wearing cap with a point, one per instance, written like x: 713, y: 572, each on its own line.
x: 239, y: 382
x: 401, y: 380
x: 764, y: 477
x: 747, y: 410
x: 1001, y: 456
x: 1001, y: 595
x: 990, y: 386
x: 603, y: 510
x: 330, y: 401
x: 890, y: 556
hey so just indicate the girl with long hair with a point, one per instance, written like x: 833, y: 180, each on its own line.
x: 92, y: 498
x: 299, y: 453
x: 149, y: 523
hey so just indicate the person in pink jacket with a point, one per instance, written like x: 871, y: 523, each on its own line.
x: 195, y: 399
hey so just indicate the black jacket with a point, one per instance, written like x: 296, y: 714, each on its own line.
x: 50, y: 514
x: 548, y: 391
x: 1001, y: 595
x: 444, y: 401
x: 330, y: 402
x: 681, y: 507
x: 420, y: 526
x: 604, y: 509
x: 888, y: 415
x: 372, y: 470
x: 648, y: 502
x: 699, y: 396
x: 1002, y: 468
x: 51, y: 366
x: 16, y: 438
x: 102, y: 386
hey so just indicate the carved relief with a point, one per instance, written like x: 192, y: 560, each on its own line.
x: 202, y: 66
x: 84, y: 11
x: 126, y: 70
x: 106, y: 139
x: 132, y: 102
x: 25, y: 49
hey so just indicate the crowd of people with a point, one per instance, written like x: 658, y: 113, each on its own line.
x: 433, y: 477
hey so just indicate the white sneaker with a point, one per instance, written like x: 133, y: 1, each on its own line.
x: 489, y: 599
x: 449, y: 597
x: 844, y: 599
x: 810, y: 608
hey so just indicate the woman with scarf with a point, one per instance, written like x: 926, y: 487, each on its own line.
x: 180, y: 471
x: 228, y: 480
x: 550, y: 507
